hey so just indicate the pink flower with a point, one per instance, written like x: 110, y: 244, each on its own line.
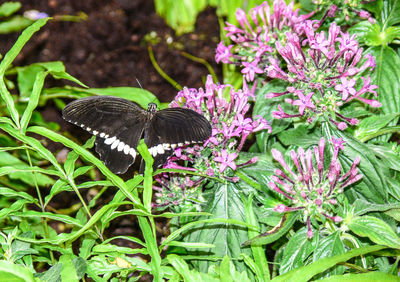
x: 304, y: 102
x: 347, y: 87
x: 223, y: 53
x: 250, y: 69
x: 226, y: 160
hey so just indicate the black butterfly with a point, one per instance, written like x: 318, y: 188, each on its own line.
x: 118, y: 125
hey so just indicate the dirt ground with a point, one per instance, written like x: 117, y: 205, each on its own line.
x: 108, y: 48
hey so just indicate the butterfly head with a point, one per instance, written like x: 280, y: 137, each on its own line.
x: 152, y: 108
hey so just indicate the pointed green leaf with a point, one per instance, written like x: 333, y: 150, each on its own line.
x: 375, y: 229
x: 9, y: 58
x: 15, y: 273
x: 224, y: 203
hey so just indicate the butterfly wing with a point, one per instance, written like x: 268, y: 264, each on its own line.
x: 174, y: 127
x: 117, y: 124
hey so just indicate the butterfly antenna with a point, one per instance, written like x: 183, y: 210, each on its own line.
x: 138, y: 82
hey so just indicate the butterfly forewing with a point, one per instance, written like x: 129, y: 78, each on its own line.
x: 174, y: 127
x: 117, y: 124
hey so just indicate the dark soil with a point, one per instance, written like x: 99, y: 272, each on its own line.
x: 108, y: 48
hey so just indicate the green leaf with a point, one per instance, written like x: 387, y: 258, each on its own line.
x: 9, y: 8
x: 224, y: 202
x: 264, y: 107
x: 363, y: 277
x: 368, y: 127
x: 189, y: 275
x: 363, y: 207
x: 58, y: 217
x: 190, y: 244
x: 328, y: 247
x: 16, y: 206
x: 305, y: 273
x: 7, y: 192
x: 14, y: 24
x: 375, y: 229
x: 391, y: 33
x: 387, y: 156
x: 297, y: 251
x: 68, y: 272
x: 14, y: 168
x: 260, y: 267
x: 35, y: 144
x: 109, y: 248
x: 268, y: 237
x: 373, y: 35
x: 27, y: 76
x: 53, y: 274
x: 387, y: 77
x: 180, y: 14
x: 9, y: 58
x: 80, y: 267
x: 390, y: 14
x: 15, y: 273
x: 299, y: 136
x: 372, y: 186
x: 367, y: 33
x: 33, y: 100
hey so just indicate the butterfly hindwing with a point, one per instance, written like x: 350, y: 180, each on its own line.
x: 174, y: 127
x: 117, y: 124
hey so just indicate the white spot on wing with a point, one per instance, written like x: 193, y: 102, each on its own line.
x: 126, y: 149
x: 102, y: 134
x: 132, y: 152
x: 153, y: 151
x: 115, y: 144
x: 109, y: 141
x: 95, y: 132
x: 121, y: 146
x: 160, y: 149
x: 173, y: 146
x: 166, y: 146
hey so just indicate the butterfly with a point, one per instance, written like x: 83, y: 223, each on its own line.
x: 119, y: 124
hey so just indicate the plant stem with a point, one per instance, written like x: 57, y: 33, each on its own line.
x: 160, y: 71
x: 42, y: 207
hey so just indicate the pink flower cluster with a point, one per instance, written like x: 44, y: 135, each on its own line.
x: 324, y: 72
x: 230, y: 127
x: 255, y: 38
x: 310, y: 186
x: 343, y: 11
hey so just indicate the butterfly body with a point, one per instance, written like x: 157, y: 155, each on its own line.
x: 119, y: 124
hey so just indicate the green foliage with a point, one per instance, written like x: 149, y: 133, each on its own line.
x: 9, y: 22
x: 181, y: 15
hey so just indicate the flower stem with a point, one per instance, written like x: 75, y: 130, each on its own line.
x: 160, y: 71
